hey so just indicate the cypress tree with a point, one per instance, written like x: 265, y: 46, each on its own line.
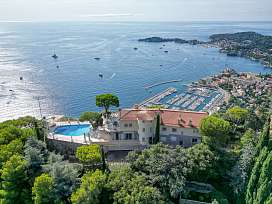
x: 255, y: 174
x: 265, y: 181
x: 157, y: 132
x: 104, y: 164
x: 269, y: 199
x: 264, y: 139
x: 37, y: 130
x: 260, y: 182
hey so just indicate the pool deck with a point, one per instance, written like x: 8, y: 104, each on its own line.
x: 76, y: 139
x: 87, y: 139
x: 59, y: 124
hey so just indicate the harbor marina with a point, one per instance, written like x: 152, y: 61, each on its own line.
x: 193, y: 97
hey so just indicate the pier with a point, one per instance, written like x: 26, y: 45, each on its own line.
x: 155, y: 100
x: 161, y: 83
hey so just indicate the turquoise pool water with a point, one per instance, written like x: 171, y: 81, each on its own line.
x: 73, y: 130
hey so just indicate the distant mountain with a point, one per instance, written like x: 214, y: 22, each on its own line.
x: 176, y: 40
x: 244, y: 44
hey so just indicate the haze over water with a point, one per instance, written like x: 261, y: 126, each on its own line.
x: 26, y: 50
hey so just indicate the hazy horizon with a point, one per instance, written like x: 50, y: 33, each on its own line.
x: 136, y: 10
x: 143, y: 21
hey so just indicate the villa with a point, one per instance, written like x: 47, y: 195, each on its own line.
x: 132, y: 129
x: 137, y: 127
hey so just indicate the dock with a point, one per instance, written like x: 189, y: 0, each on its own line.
x: 196, y: 98
x: 161, y: 83
x: 155, y: 100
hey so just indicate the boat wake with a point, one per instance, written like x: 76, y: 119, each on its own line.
x: 113, y: 75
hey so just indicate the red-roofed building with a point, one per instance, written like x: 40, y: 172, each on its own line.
x: 138, y: 125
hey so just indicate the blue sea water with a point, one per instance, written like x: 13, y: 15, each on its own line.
x: 26, y: 50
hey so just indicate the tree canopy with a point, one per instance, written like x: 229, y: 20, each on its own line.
x: 15, y: 188
x: 43, y: 190
x: 237, y: 114
x: 106, y: 101
x: 138, y: 190
x: 166, y: 168
x: 202, y: 160
x: 90, y: 190
x: 93, y: 117
x: 215, y: 131
x: 89, y: 154
x: 128, y: 187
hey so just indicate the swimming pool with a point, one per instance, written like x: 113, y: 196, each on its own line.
x: 73, y: 130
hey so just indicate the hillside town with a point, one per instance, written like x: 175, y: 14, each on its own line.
x: 248, y: 90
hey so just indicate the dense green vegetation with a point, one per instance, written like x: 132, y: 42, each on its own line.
x: 93, y: 117
x: 233, y: 164
x: 23, y: 160
x: 89, y: 154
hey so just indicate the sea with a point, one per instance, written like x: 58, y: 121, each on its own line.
x: 34, y: 83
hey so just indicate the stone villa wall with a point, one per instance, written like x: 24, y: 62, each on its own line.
x: 63, y: 147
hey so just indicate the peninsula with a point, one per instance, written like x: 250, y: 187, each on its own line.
x: 250, y: 45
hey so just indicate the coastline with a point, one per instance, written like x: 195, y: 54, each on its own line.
x: 211, y: 93
x: 71, y: 89
x: 243, y: 44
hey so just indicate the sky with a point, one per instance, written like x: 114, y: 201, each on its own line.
x: 135, y: 10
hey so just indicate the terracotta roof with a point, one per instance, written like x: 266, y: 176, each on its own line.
x: 174, y: 118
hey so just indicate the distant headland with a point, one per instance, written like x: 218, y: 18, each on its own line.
x: 250, y: 45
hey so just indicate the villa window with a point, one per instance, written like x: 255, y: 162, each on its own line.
x: 174, y: 130
x: 151, y: 129
x: 164, y: 129
x: 194, y: 140
x: 181, y: 132
x: 130, y: 125
x: 136, y: 137
x: 143, y: 129
x: 115, y: 123
x: 181, y: 143
x: 117, y: 136
x: 163, y: 139
x: 125, y: 125
x: 173, y: 138
x: 128, y: 136
x: 195, y: 131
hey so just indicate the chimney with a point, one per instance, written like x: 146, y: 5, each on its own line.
x: 120, y: 113
x: 190, y: 122
x: 180, y: 120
